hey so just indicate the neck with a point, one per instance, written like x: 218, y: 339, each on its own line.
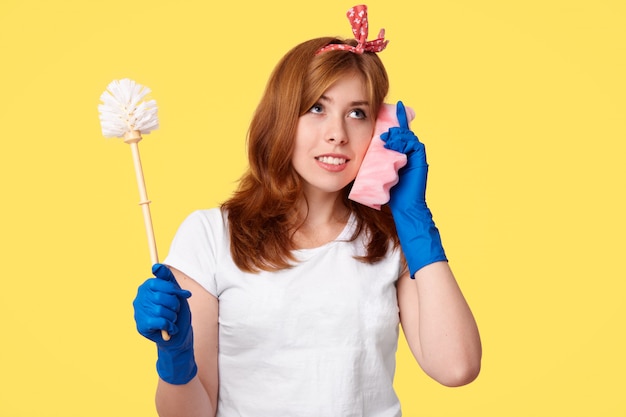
x: 321, y: 220
x: 322, y: 209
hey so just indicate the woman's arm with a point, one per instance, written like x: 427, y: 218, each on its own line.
x: 198, y: 398
x: 439, y: 326
x: 436, y: 320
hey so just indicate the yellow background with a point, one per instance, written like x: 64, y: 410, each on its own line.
x: 522, y: 106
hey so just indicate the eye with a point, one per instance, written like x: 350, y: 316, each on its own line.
x: 316, y: 108
x: 358, y: 114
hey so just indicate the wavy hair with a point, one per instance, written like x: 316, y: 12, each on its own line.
x: 261, y: 211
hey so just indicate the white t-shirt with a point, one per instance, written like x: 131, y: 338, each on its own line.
x: 315, y: 340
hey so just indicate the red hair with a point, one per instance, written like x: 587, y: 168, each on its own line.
x: 261, y: 212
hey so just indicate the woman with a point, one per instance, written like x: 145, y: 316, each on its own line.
x: 287, y: 300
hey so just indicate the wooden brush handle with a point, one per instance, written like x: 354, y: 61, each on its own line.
x: 133, y: 138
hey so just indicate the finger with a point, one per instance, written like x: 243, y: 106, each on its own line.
x: 401, y: 115
x: 153, y: 325
x: 168, y: 301
x: 152, y: 316
x: 158, y: 293
x: 162, y: 272
x: 168, y: 287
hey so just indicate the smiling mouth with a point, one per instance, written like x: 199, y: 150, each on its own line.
x: 331, y: 160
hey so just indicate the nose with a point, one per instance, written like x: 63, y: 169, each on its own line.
x: 336, y: 132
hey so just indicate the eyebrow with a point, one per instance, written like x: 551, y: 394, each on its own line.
x: 354, y: 103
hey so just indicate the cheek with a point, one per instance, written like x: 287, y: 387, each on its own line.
x: 362, y: 149
x: 300, y: 139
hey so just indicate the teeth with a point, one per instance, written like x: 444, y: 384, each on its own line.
x: 331, y: 161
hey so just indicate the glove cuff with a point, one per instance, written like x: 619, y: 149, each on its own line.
x: 419, y: 238
x: 176, y: 367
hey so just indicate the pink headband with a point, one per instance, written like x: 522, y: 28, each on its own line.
x: 357, y: 16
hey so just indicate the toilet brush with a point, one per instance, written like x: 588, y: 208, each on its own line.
x: 123, y: 114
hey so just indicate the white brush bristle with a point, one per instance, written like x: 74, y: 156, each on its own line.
x: 123, y: 111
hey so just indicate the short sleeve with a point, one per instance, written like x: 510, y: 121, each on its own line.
x: 195, y: 247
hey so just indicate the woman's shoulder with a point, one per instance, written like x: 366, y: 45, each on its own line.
x: 213, y: 214
x: 211, y: 221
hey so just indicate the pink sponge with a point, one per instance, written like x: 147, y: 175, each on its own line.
x: 379, y: 170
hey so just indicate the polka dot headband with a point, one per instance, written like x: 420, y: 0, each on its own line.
x: 357, y: 16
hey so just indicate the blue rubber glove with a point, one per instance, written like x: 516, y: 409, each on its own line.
x: 418, y: 235
x: 161, y: 304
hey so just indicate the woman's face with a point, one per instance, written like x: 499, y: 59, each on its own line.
x: 333, y: 135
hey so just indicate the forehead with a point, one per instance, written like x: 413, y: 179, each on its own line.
x: 351, y: 87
